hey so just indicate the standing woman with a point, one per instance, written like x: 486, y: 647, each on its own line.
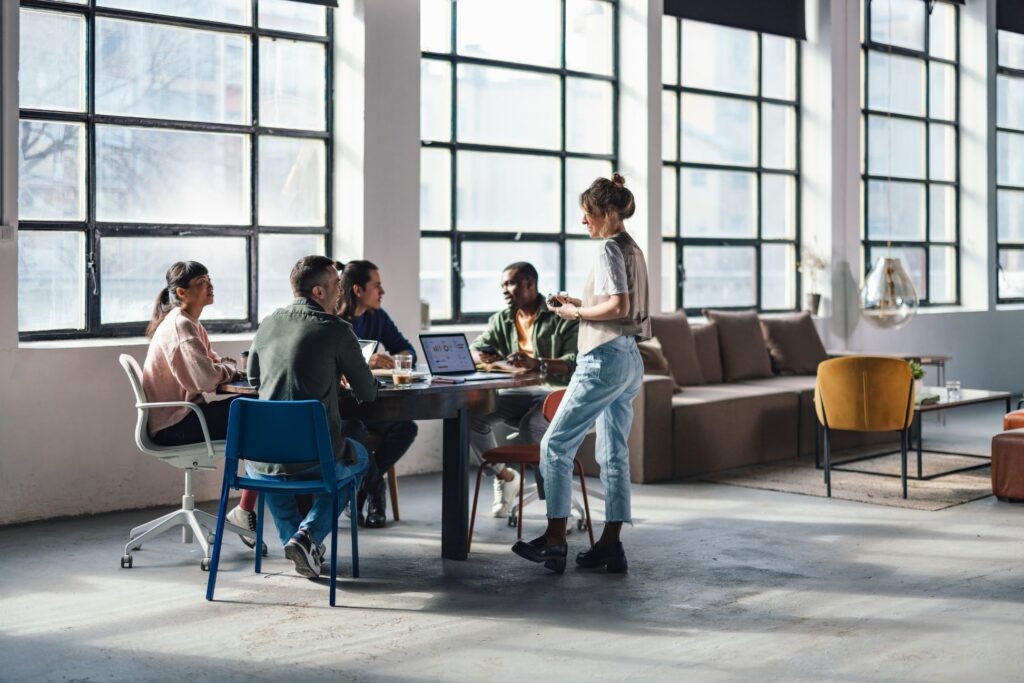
x: 613, y: 316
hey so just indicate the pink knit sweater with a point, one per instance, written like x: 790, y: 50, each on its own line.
x: 180, y: 366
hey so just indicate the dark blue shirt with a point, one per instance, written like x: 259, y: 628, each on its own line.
x: 379, y: 326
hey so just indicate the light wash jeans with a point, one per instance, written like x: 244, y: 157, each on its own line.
x: 602, y: 389
x: 317, y: 522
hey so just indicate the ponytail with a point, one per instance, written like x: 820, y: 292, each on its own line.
x: 181, y: 275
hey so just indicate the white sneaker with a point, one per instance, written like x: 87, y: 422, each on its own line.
x: 246, y: 520
x: 505, y: 495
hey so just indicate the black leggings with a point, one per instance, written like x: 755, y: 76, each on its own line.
x: 189, y: 430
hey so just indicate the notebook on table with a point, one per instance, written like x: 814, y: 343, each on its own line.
x: 449, y: 358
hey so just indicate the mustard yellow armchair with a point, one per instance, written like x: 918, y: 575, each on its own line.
x: 865, y: 394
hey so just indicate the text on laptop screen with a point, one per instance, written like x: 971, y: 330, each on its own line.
x: 447, y: 353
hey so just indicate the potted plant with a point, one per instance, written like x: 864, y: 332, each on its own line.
x: 813, y: 264
x: 917, y: 371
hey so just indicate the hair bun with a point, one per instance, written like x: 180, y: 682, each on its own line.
x: 618, y: 179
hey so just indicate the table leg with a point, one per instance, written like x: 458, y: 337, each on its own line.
x: 940, y: 372
x: 455, y: 487
x: 920, y: 442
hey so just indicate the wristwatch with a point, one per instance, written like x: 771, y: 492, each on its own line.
x: 543, y: 367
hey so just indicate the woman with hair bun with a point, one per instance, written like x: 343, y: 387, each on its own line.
x: 613, y: 316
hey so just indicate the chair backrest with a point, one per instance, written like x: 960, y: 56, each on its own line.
x: 551, y: 404
x: 134, y: 372
x: 279, y: 432
x: 865, y: 394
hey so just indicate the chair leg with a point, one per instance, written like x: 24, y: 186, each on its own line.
x: 259, y: 533
x: 171, y: 521
x: 353, y: 488
x: 828, y: 462
x: 199, y: 533
x: 817, y: 445
x: 334, y: 546
x: 586, y: 502
x: 519, y: 517
x: 472, y: 516
x: 218, y: 537
x: 143, y: 528
x: 393, y: 490
x: 904, y: 440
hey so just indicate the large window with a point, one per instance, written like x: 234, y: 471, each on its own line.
x: 1010, y: 168
x: 910, y: 172
x: 731, y: 169
x: 518, y: 116
x: 154, y: 131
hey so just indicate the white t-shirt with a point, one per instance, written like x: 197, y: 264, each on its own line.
x: 610, y: 271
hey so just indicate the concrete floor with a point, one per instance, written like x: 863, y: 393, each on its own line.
x: 725, y: 584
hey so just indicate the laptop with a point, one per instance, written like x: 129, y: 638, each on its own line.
x: 368, y: 347
x: 448, y: 356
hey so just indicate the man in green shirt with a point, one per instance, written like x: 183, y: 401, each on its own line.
x: 301, y: 352
x: 527, y: 335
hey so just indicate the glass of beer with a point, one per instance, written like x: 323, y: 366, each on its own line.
x: 401, y: 374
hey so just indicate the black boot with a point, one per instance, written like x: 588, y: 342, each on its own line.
x: 537, y: 550
x: 375, y: 512
x: 613, y: 559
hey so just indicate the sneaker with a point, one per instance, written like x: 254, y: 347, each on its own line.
x: 246, y: 520
x: 304, y: 553
x: 505, y: 495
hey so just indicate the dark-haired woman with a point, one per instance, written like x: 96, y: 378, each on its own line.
x: 613, y: 316
x: 362, y: 295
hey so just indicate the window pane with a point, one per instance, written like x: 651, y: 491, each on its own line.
x: 435, y: 189
x: 51, y: 280
x: 435, y: 100
x: 588, y: 36
x: 669, y: 126
x: 227, y: 11
x: 895, y: 147
x: 508, y: 107
x: 579, y: 174
x: 669, y: 271
x: 942, y: 95
x: 719, y: 58
x: 149, y: 175
x: 436, y: 32
x: 669, y: 203
x: 52, y: 63
x: 165, y: 72
x: 292, y: 84
x: 508, y: 192
x: 719, y: 276
x: 717, y: 130
x: 896, y: 83
x: 718, y: 203
x: 898, y: 22
x: 778, y: 135
x: 942, y: 213
x: 1010, y: 102
x: 1011, y: 215
x: 778, y: 206
x: 293, y: 182
x: 778, y: 277
x: 588, y: 116
x: 942, y: 31
x: 482, y: 263
x: 1011, y: 50
x: 669, y: 50
x: 779, y: 58
x: 1009, y: 151
x: 579, y: 260
x: 942, y: 156
x: 905, y: 220
x: 1011, y: 274
x: 284, y: 15
x: 436, y: 277
x: 942, y: 275
x: 913, y: 263
x: 133, y: 271
x: 277, y: 256
x: 497, y: 30
x: 51, y: 171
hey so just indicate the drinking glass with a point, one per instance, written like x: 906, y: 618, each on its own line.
x: 401, y: 374
x: 953, y: 389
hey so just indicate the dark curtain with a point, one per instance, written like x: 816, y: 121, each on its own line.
x: 780, y: 17
x: 1010, y: 15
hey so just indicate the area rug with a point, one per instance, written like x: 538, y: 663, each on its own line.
x: 800, y: 476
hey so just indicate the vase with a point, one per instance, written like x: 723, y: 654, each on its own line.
x: 813, y: 302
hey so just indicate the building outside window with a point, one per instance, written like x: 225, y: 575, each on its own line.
x: 1010, y: 170
x: 157, y: 131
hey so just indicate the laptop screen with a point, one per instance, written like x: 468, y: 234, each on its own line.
x: 368, y: 347
x: 447, y: 353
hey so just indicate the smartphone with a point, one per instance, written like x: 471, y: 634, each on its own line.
x: 553, y: 302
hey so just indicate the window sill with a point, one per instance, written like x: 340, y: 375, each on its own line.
x: 474, y: 329
x: 122, y: 342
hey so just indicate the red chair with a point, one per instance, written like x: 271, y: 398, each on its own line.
x: 1014, y: 420
x: 523, y: 455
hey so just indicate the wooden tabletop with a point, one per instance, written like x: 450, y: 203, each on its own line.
x: 429, y: 387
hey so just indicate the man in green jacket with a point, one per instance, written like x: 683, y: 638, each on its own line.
x: 527, y: 335
x: 301, y: 352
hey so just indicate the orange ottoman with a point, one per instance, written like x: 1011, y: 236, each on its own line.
x: 1014, y: 420
x: 1008, y: 465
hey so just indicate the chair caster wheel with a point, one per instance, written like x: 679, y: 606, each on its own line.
x: 126, y: 562
x: 265, y: 551
x: 581, y: 524
x: 205, y: 564
x: 512, y: 520
x: 210, y: 537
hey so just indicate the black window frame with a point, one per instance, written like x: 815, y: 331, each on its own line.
x: 869, y: 245
x: 458, y: 237
x: 680, y: 242
x: 95, y: 231
x: 1000, y: 245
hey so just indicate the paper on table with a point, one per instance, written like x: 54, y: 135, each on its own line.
x: 501, y: 366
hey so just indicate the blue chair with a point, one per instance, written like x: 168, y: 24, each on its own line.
x: 282, y: 432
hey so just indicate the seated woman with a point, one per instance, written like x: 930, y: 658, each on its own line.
x: 361, y: 295
x: 181, y: 366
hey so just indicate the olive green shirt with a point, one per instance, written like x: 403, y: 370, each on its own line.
x: 553, y: 338
x: 300, y: 352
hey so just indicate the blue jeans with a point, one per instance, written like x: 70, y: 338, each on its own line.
x: 317, y: 523
x: 602, y: 389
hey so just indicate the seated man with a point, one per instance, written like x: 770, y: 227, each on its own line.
x: 361, y: 295
x: 301, y: 352
x: 527, y: 335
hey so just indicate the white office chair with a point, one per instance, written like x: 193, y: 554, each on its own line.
x: 190, y: 457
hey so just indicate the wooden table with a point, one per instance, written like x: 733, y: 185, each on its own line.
x: 452, y: 403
